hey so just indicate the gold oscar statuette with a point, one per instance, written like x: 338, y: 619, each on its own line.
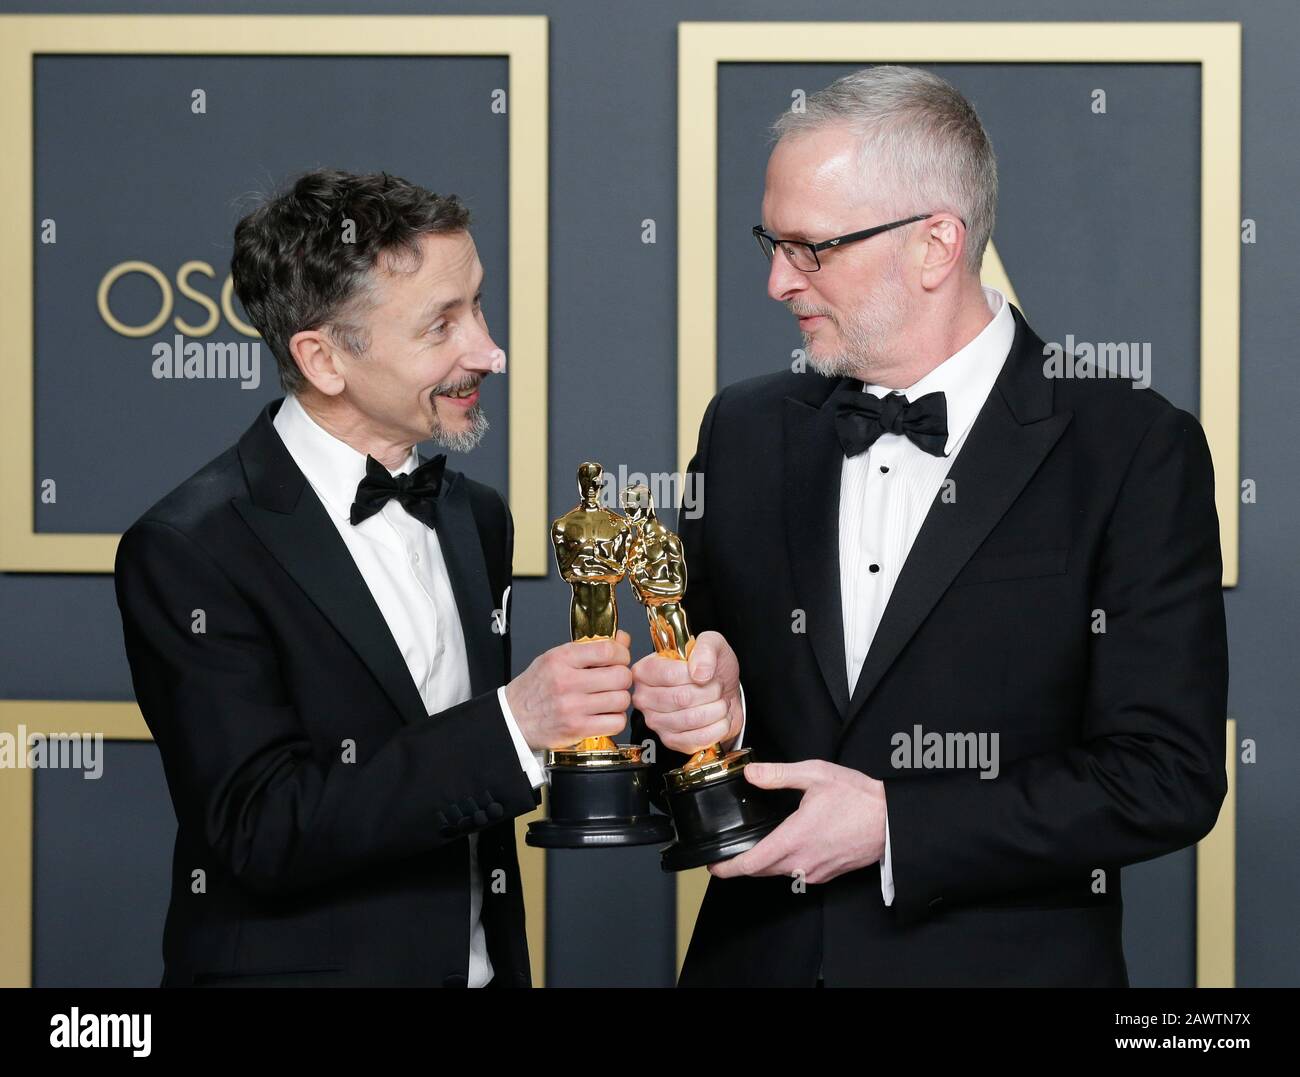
x: 716, y: 813
x: 598, y: 790
x: 657, y: 571
x: 591, y: 544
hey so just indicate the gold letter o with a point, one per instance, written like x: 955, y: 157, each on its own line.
x: 121, y: 270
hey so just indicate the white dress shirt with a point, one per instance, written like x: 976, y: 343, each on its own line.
x: 886, y: 492
x: 401, y: 561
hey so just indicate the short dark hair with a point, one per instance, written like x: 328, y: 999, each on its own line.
x: 298, y: 265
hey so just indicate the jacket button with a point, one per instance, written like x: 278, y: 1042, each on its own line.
x: 936, y: 901
x: 495, y: 810
x: 455, y: 979
x: 466, y: 824
x: 480, y: 818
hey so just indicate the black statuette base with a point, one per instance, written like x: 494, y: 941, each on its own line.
x: 719, y: 819
x: 599, y: 807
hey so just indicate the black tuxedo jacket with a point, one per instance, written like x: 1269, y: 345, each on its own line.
x: 294, y: 864
x: 1071, y: 497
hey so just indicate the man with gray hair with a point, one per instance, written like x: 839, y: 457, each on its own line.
x: 946, y: 546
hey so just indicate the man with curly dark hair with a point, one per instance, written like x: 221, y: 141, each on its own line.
x: 317, y: 625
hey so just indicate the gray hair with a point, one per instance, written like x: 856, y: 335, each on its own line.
x: 921, y: 145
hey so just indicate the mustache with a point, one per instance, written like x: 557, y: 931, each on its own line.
x: 471, y: 382
x: 799, y: 310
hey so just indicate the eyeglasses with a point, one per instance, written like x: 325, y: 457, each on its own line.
x: 803, y: 255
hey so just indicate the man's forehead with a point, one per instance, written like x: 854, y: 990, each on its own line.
x: 449, y: 267
x: 813, y: 181
x: 449, y: 257
x: 808, y: 149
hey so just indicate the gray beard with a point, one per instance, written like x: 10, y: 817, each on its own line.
x: 461, y: 441
x: 873, y: 324
x: 856, y: 359
x: 840, y: 365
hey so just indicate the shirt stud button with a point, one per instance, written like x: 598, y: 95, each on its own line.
x: 873, y: 568
x: 884, y: 469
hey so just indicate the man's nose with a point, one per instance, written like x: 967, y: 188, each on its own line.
x: 483, y: 356
x: 783, y: 280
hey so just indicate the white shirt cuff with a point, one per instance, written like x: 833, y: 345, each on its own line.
x: 530, y: 760
x: 887, y: 867
x: 741, y: 735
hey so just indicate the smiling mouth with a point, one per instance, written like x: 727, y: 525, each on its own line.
x: 465, y: 391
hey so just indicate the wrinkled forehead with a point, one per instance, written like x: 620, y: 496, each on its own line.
x: 446, y: 262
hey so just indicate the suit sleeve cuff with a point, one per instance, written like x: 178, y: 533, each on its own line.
x: 530, y: 760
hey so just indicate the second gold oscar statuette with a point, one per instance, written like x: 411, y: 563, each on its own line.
x: 717, y: 814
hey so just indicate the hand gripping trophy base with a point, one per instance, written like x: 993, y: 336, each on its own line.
x: 599, y: 791
x: 716, y: 813
x: 598, y: 798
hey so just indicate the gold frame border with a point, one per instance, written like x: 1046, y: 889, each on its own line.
x: 1216, y: 46
x: 1216, y: 887
x: 124, y: 722
x: 523, y: 39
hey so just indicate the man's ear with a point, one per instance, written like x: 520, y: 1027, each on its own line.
x: 318, y: 358
x: 945, y: 240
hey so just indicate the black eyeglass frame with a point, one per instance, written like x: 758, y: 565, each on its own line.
x: 760, y: 235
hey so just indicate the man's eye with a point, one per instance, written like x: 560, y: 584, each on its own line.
x: 439, y: 329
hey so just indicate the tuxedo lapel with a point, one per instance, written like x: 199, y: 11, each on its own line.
x: 1013, y: 433
x: 812, y: 463
x: 462, y: 550
x: 292, y: 524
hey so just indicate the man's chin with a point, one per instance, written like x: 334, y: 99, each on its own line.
x: 830, y: 365
x: 462, y: 433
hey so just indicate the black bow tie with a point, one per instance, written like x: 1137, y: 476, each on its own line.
x: 416, y: 492
x: 861, y: 418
